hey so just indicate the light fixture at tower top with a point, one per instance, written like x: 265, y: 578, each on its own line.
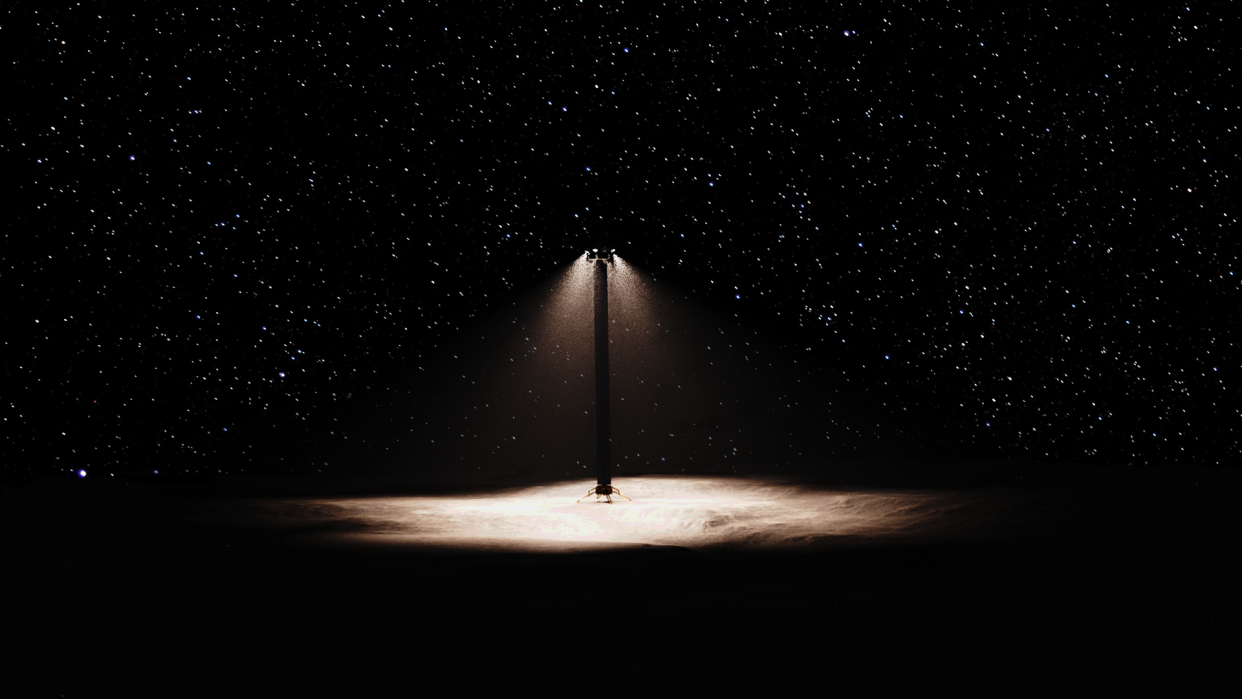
x: 597, y: 254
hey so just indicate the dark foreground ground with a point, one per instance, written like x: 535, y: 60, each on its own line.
x: 108, y: 584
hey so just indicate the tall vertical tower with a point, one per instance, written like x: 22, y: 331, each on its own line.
x: 603, y: 416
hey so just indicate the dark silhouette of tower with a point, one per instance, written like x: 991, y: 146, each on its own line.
x: 603, y: 418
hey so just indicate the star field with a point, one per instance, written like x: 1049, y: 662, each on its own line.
x: 230, y: 222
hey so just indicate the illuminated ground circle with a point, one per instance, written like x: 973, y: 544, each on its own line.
x: 684, y: 511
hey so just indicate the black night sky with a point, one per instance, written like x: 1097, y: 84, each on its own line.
x: 229, y: 221
x: 303, y: 243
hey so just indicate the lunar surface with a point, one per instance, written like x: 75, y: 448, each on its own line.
x: 709, y: 513
x: 702, y: 577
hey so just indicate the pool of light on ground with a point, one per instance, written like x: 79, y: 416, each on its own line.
x: 686, y: 511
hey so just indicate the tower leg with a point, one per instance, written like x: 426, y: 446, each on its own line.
x: 603, y: 434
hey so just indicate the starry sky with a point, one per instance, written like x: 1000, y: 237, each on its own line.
x: 228, y: 222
